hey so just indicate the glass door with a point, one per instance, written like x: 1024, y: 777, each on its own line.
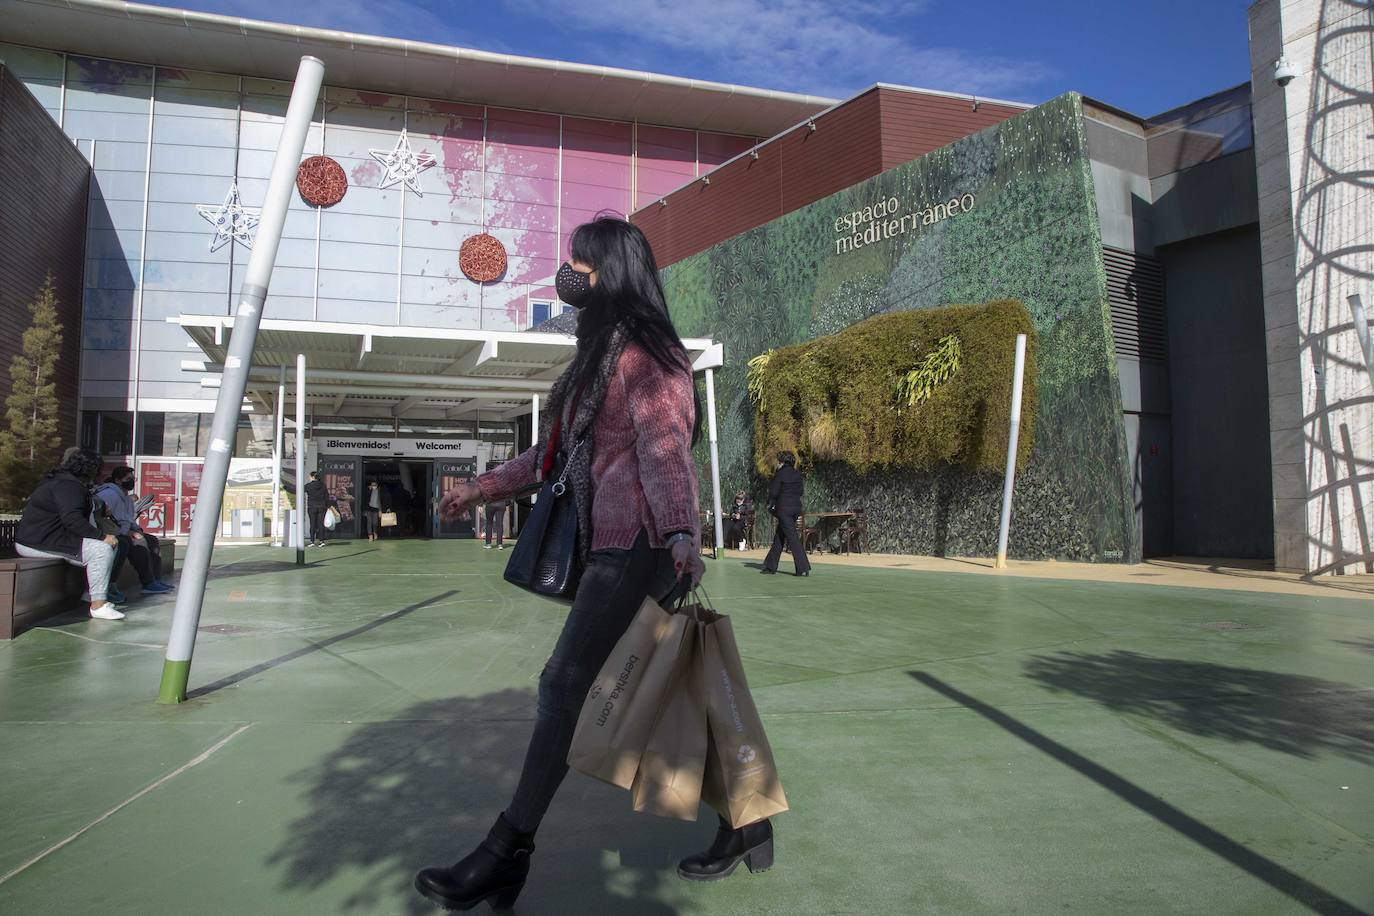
x: 343, y: 480
x: 158, y: 479
x: 447, y: 475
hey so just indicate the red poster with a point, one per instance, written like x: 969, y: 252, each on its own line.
x: 190, y: 489
x: 158, y: 479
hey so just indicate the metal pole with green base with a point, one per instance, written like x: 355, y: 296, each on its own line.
x: 181, y: 642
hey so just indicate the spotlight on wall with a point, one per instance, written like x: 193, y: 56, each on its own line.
x: 1284, y: 71
x: 810, y: 125
x: 975, y: 103
x: 662, y: 202
x: 705, y: 179
x: 753, y: 154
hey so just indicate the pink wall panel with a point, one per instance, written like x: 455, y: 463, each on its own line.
x: 522, y: 190
x: 713, y: 149
x: 667, y: 159
x: 596, y: 172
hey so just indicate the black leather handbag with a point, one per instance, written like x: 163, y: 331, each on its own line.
x: 545, y: 558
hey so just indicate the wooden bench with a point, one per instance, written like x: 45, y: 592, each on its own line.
x: 32, y: 590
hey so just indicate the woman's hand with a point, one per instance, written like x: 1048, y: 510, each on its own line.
x: 111, y: 540
x: 687, y: 560
x: 459, y: 501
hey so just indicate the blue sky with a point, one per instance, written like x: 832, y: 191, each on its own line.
x: 1145, y: 56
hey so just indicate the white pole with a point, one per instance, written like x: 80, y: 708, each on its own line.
x: 300, y: 459
x: 534, y: 431
x: 278, y: 539
x: 719, y: 552
x: 176, y: 668
x: 1012, y: 439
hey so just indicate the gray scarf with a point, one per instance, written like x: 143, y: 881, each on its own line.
x: 577, y: 441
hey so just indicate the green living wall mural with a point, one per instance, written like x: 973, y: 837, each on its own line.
x: 1007, y: 213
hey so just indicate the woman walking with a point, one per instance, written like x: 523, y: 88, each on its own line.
x: 57, y: 524
x: 376, y: 505
x: 785, y: 493
x: 624, y: 416
x: 316, y: 504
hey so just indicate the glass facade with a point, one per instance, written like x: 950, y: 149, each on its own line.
x: 166, y: 140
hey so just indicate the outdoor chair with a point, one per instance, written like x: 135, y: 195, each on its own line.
x: 855, y: 533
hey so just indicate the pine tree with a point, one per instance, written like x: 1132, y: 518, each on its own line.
x: 31, y: 408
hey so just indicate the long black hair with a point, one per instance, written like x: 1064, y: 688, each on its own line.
x: 628, y: 294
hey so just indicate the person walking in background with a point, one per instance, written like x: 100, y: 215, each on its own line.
x: 785, y: 497
x: 316, y: 503
x: 56, y: 524
x: 496, y: 521
x: 738, y: 516
x: 377, y: 503
x: 625, y: 416
x: 142, y: 550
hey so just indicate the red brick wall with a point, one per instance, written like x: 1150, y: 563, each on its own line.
x: 43, y: 198
x: 871, y: 133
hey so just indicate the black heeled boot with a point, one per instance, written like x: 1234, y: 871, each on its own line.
x: 494, y: 871
x: 752, y: 844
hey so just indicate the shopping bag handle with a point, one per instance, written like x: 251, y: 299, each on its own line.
x: 678, y: 595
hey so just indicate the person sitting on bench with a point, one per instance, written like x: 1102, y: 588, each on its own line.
x: 141, y: 549
x: 56, y: 524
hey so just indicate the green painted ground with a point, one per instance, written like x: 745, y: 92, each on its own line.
x: 950, y: 744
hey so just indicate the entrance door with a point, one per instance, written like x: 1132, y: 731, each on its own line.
x: 342, y: 480
x: 158, y: 479
x: 447, y: 475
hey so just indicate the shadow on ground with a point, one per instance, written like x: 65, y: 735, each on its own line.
x: 1294, y: 714
x: 313, y: 559
x: 423, y: 788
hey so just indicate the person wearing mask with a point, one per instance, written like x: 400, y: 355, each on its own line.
x: 377, y: 503
x: 496, y: 522
x: 142, y: 550
x: 737, y: 519
x: 316, y: 503
x: 785, y: 496
x: 624, y: 417
x: 56, y: 524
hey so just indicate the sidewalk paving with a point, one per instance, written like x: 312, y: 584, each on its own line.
x: 952, y: 740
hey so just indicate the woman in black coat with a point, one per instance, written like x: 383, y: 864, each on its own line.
x: 56, y: 524
x: 785, y: 494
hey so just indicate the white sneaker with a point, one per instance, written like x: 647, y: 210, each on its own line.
x: 106, y: 611
x: 500, y: 546
x: 486, y: 547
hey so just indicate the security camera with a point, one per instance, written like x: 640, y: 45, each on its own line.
x: 1284, y: 72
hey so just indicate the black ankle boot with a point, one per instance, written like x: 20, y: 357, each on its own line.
x: 752, y: 843
x: 494, y: 871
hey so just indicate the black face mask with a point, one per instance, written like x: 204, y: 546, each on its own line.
x: 127, y: 484
x: 572, y: 285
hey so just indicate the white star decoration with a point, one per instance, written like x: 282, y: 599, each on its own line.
x: 402, y: 164
x: 231, y: 219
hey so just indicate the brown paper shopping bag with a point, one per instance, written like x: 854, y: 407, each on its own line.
x: 741, y: 780
x: 624, y: 700
x: 668, y: 782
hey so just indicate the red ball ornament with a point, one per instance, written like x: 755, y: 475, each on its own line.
x: 482, y: 258
x: 321, y: 181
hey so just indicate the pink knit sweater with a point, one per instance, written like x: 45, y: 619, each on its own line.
x: 642, y: 470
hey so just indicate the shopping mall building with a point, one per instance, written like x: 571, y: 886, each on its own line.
x: 1201, y: 389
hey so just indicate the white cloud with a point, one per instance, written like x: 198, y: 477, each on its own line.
x: 800, y: 45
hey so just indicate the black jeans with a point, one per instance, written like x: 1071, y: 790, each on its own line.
x: 145, y: 559
x: 787, y: 531
x: 613, y: 587
x: 317, y: 528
